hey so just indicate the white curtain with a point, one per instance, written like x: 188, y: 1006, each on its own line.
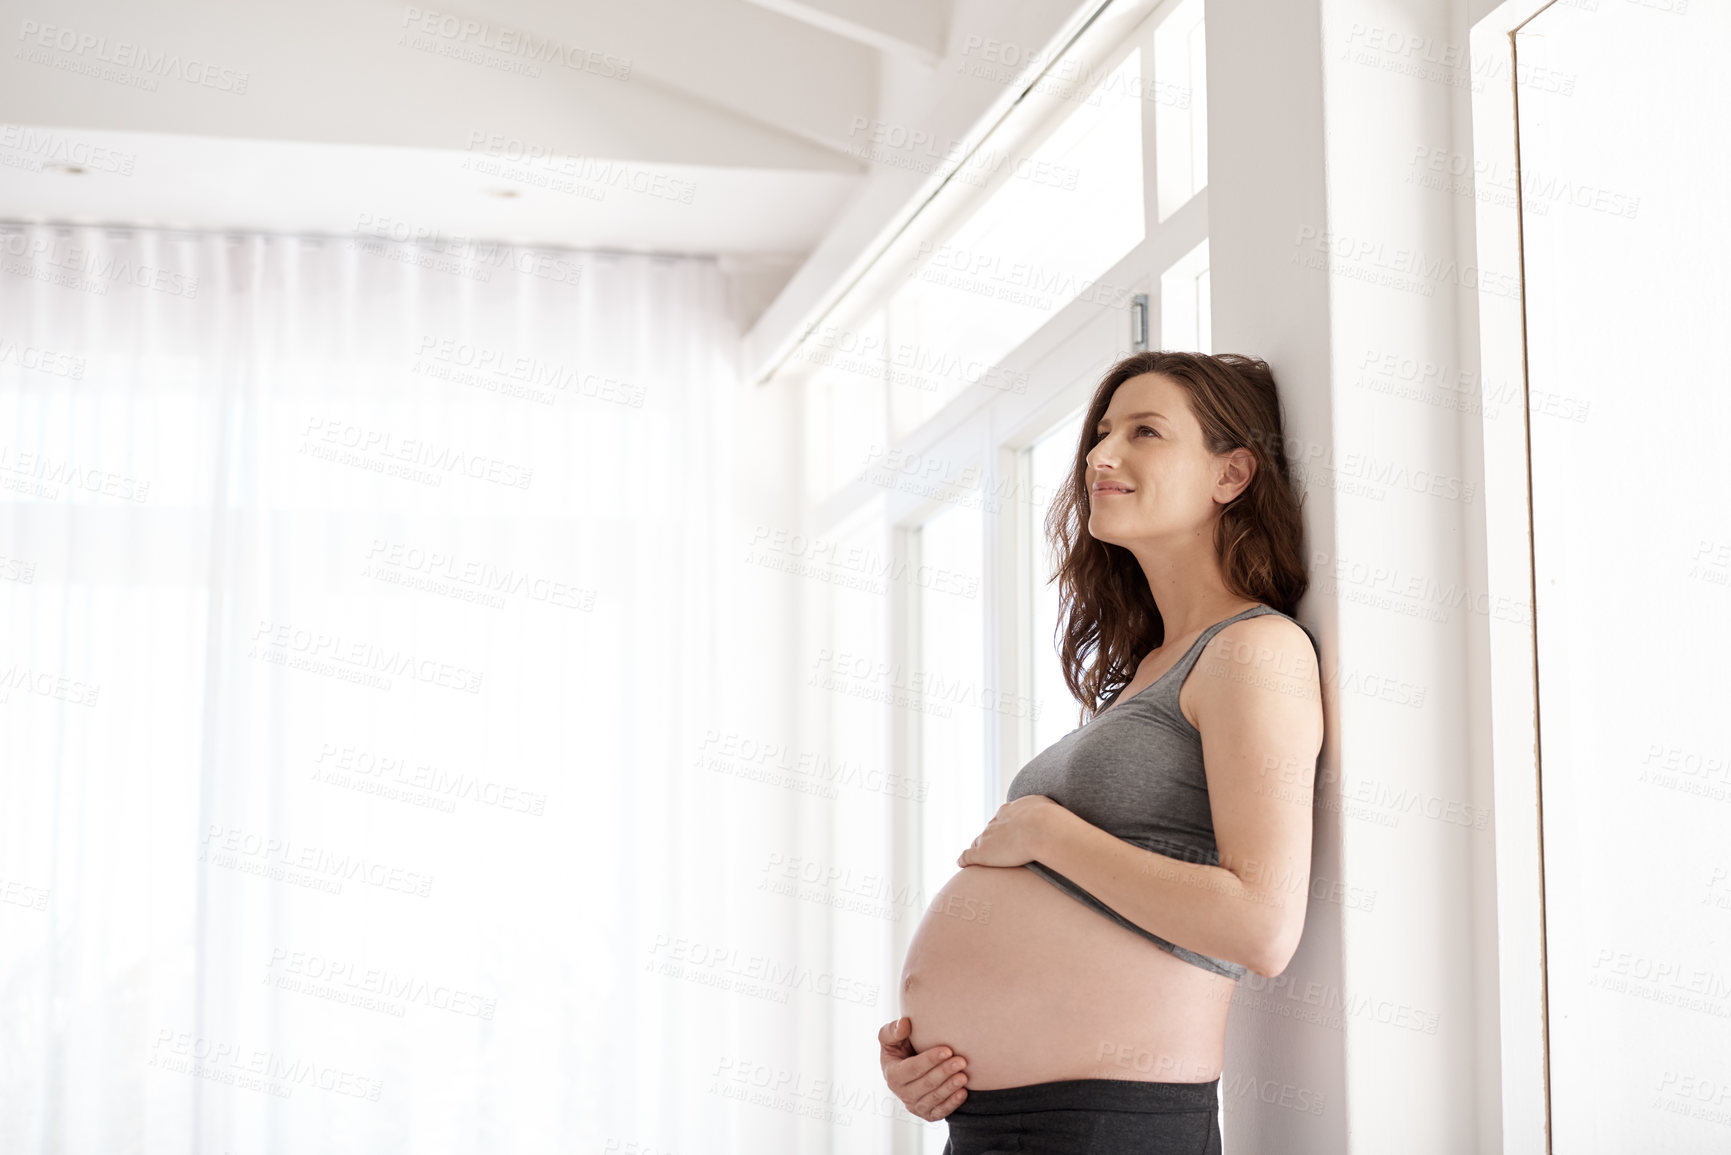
x: 368, y: 611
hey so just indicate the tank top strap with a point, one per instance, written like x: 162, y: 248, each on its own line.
x: 1253, y: 611
x: 1173, y: 679
x: 1167, y: 685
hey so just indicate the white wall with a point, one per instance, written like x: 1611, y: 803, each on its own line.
x: 1265, y: 184
x: 1332, y: 259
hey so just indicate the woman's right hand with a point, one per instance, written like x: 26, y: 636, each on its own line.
x: 931, y: 1083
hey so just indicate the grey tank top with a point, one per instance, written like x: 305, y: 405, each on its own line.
x: 1135, y: 771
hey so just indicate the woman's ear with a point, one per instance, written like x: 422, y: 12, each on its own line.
x: 1237, y: 469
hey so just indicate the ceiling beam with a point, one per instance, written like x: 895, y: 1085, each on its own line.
x: 732, y: 54
x: 911, y: 28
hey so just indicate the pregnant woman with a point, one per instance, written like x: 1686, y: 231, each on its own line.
x: 1141, y: 864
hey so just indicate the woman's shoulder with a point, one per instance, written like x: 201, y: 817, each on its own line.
x: 1272, y: 637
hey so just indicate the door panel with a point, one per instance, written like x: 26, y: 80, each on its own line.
x: 1624, y: 114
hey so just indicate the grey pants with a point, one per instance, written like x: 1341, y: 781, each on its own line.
x: 1088, y: 1117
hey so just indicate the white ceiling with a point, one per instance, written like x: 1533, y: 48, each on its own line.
x: 739, y: 127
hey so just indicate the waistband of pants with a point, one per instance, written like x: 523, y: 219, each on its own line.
x: 1094, y: 1095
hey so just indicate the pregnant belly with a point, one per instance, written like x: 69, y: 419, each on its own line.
x: 1032, y: 986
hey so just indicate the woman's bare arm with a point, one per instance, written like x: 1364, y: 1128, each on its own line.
x: 1259, y: 710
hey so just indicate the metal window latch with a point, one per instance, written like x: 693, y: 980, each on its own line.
x: 1139, y: 323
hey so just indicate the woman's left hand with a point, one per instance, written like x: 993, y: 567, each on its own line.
x: 1016, y: 834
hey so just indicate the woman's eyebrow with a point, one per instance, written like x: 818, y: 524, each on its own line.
x: 1134, y: 416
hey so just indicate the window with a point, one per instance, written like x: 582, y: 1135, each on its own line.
x: 1049, y: 462
x: 1062, y: 217
x: 1184, y: 306
x: 1180, y: 96
x: 989, y: 299
x: 845, y: 431
x: 946, y: 565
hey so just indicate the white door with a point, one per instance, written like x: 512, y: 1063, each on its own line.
x: 1624, y: 110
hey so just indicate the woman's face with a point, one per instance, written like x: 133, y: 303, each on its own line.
x: 1149, y: 474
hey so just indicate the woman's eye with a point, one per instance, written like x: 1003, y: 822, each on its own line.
x: 1145, y: 429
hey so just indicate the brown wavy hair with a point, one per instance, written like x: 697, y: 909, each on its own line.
x: 1105, y: 606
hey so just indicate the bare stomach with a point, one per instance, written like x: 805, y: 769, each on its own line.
x: 1032, y: 986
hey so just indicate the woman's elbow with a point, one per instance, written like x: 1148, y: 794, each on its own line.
x: 1273, y: 953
